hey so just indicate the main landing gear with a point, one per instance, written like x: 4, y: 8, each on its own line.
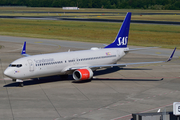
x: 20, y: 82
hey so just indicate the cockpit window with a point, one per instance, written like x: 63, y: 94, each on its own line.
x: 15, y: 65
x: 19, y: 65
x: 11, y: 65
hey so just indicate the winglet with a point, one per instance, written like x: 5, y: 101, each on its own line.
x: 23, y: 52
x: 23, y: 49
x: 171, y: 55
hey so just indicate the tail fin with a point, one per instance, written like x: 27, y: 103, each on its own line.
x: 121, y: 40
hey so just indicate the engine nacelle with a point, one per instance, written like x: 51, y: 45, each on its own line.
x: 82, y: 74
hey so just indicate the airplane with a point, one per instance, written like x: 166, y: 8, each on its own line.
x: 79, y: 64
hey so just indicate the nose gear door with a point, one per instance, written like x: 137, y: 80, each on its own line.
x: 31, y: 65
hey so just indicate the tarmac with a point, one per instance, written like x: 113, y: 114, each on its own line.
x: 112, y: 96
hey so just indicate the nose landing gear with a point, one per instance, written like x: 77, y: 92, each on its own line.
x: 20, y: 82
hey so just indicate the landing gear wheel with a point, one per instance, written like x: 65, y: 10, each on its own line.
x: 14, y: 80
x: 21, y: 84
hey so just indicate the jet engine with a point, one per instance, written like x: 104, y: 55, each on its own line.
x: 82, y: 74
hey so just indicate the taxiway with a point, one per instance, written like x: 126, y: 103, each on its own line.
x: 112, y: 96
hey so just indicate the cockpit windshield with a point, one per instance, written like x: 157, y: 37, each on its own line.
x: 15, y: 65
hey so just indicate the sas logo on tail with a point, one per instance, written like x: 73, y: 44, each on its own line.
x: 122, y: 41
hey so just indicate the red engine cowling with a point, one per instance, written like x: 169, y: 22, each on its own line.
x: 82, y: 74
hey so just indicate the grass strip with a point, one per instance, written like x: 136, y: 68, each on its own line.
x: 166, y: 36
x: 100, y: 16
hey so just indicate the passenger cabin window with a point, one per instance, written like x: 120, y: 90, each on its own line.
x: 50, y: 63
x: 15, y: 65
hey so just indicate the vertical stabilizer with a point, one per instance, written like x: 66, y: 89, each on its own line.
x: 121, y: 40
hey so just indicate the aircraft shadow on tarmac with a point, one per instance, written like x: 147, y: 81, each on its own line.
x: 122, y: 79
x: 115, y: 69
x: 41, y: 80
x: 57, y: 78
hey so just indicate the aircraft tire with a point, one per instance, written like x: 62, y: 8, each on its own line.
x: 21, y: 84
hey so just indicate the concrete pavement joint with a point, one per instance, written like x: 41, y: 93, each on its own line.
x: 9, y: 101
x: 146, y: 110
x: 141, y: 112
x: 50, y: 101
x: 115, y: 105
x: 81, y: 92
x: 106, y: 108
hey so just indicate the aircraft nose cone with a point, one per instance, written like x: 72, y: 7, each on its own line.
x: 7, y: 72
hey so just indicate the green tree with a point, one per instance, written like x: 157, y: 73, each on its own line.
x: 56, y: 3
x: 146, y: 4
x: 96, y: 4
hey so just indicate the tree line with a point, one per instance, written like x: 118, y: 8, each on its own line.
x: 110, y: 4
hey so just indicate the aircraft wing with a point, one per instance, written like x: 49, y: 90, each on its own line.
x: 23, y: 52
x: 122, y: 65
x: 97, y: 66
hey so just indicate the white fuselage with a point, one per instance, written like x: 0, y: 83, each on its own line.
x: 58, y: 63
